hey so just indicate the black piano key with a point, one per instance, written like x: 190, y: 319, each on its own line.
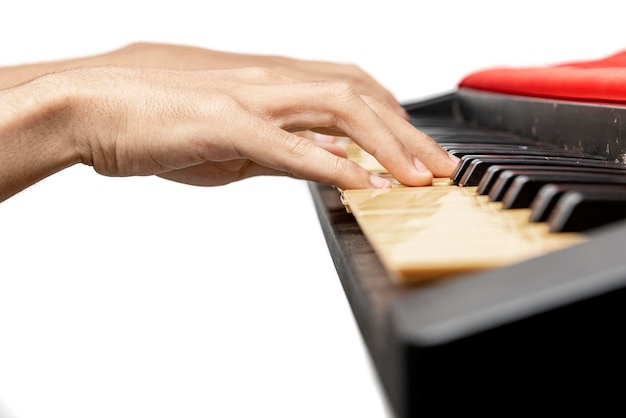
x: 490, y: 146
x: 530, y: 152
x: 461, y: 128
x: 474, y: 175
x: 503, y: 182
x: 503, y: 150
x: 460, y: 131
x: 546, y: 199
x: 583, y: 210
x: 439, y: 125
x: 468, y: 160
x: 487, y: 180
x: 548, y: 196
x: 524, y: 187
x: 489, y: 142
x: 437, y: 122
x: 469, y: 137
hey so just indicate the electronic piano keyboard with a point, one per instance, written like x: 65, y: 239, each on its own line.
x: 509, y: 328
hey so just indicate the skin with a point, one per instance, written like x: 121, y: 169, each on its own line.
x: 205, y: 118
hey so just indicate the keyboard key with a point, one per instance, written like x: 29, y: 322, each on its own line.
x: 524, y: 187
x: 489, y: 159
x: 549, y: 195
x: 582, y: 210
x: 488, y: 179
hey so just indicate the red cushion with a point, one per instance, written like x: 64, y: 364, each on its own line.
x: 602, y: 80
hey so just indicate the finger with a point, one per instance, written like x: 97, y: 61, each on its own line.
x: 362, y: 81
x: 299, y: 157
x: 333, y: 148
x: 385, y: 96
x: 317, y: 137
x: 438, y: 160
x: 213, y: 173
x: 217, y: 174
x: 326, y: 142
x: 340, y: 110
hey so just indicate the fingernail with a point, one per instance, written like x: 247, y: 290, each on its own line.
x: 419, y: 165
x: 379, y: 182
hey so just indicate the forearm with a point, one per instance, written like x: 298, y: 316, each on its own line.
x: 146, y: 55
x: 34, y: 141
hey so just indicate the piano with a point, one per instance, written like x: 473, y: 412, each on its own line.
x: 542, y: 334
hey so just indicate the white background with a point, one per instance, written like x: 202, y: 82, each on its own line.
x: 145, y: 298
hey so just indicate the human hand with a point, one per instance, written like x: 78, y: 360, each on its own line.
x: 180, y: 57
x: 214, y: 127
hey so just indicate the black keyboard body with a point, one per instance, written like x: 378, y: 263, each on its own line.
x: 544, y: 335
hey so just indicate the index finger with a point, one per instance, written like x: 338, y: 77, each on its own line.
x: 299, y: 157
x: 337, y: 109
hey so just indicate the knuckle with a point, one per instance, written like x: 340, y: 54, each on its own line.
x: 342, y: 90
x: 260, y: 72
x: 338, y: 165
x: 224, y: 105
x: 294, y: 151
x: 296, y: 146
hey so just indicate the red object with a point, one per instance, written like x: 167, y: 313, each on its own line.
x: 602, y: 80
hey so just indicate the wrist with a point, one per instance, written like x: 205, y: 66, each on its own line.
x: 34, y: 133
